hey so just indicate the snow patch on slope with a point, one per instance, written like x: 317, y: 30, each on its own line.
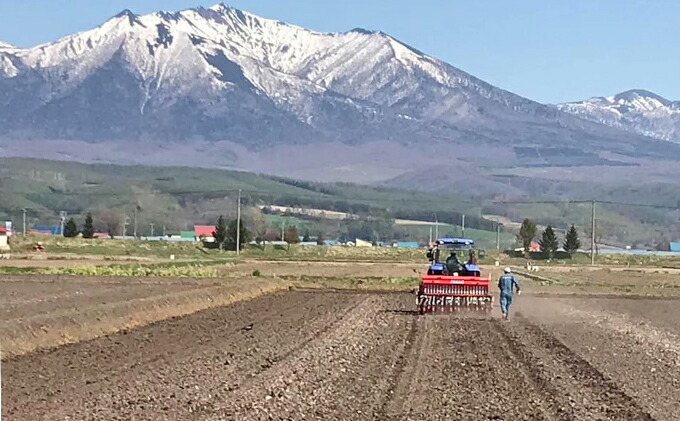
x: 636, y: 110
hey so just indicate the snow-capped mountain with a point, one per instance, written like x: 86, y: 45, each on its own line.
x: 223, y: 75
x: 636, y: 110
x: 4, y: 45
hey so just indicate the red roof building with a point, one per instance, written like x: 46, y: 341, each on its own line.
x: 205, y: 231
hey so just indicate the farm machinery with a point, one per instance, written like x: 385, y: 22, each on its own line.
x: 451, y: 285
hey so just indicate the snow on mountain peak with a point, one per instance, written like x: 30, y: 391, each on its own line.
x: 219, y: 64
x: 636, y: 110
x: 6, y: 46
x: 639, y: 99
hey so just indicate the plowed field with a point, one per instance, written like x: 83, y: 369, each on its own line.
x: 360, y: 356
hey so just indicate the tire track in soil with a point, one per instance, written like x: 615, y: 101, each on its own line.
x: 184, y: 361
x: 576, y: 389
x: 457, y: 370
x: 397, y: 380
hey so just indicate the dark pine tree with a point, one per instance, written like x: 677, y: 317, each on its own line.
x: 548, y: 242
x: 220, y: 232
x: 70, y: 229
x: 88, y: 228
x: 571, y: 241
x: 231, y: 235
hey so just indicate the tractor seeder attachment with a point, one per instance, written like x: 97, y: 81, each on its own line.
x: 443, y: 293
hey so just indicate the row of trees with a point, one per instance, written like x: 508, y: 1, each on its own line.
x: 71, y: 228
x: 548, y: 243
x: 226, y: 234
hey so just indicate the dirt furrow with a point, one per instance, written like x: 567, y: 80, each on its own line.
x: 360, y: 356
x: 166, y: 370
x: 577, y: 390
x: 344, y: 374
x: 460, y: 372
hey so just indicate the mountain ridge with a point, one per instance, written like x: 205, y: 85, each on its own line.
x: 241, y: 90
x: 637, y: 111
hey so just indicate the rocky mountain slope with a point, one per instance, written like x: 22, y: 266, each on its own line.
x: 222, y: 87
x: 637, y: 111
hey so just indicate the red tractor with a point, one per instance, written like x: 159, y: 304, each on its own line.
x: 453, y: 286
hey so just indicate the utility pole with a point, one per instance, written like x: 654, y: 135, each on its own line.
x: 126, y: 222
x: 238, y: 224
x: 462, y: 225
x: 24, y: 222
x: 151, y: 229
x: 62, y: 220
x: 430, y: 242
x: 592, y: 234
x: 498, y: 236
x: 436, y: 227
x: 134, y: 226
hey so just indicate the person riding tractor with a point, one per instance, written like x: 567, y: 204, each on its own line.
x: 453, y: 265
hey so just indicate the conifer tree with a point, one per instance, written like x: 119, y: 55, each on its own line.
x: 571, y: 241
x: 88, y: 228
x: 548, y: 242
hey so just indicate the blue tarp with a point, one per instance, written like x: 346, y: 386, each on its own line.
x: 675, y: 247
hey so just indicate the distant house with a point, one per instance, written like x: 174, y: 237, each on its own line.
x: 204, y: 232
x: 675, y: 247
x: 37, y: 232
x: 4, y: 236
x: 189, y: 235
x: 101, y: 235
x: 363, y: 243
x: 407, y: 244
x: 533, y: 247
x: 47, y: 229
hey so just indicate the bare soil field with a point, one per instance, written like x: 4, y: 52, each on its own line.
x: 46, y: 311
x: 292, y: 269
x: 341, y: 355
x: 652, y: 282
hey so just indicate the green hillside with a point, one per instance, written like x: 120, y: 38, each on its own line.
x: 177, y: 198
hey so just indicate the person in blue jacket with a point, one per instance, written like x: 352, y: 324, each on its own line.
x: 506, y: 283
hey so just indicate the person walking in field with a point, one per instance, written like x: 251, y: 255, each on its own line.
x: 507, y: 283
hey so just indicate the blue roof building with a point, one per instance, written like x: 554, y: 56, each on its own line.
x: 54, y: 230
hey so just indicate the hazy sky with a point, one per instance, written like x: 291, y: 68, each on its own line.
x: 550, y: 51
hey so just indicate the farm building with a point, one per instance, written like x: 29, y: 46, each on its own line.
x: 204, y: 232
x: 4, y: 239
x: 407, y: 244
x: 47, y: 229
x: 675, y: 247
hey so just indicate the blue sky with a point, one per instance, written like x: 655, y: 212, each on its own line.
x: 550, y: 51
